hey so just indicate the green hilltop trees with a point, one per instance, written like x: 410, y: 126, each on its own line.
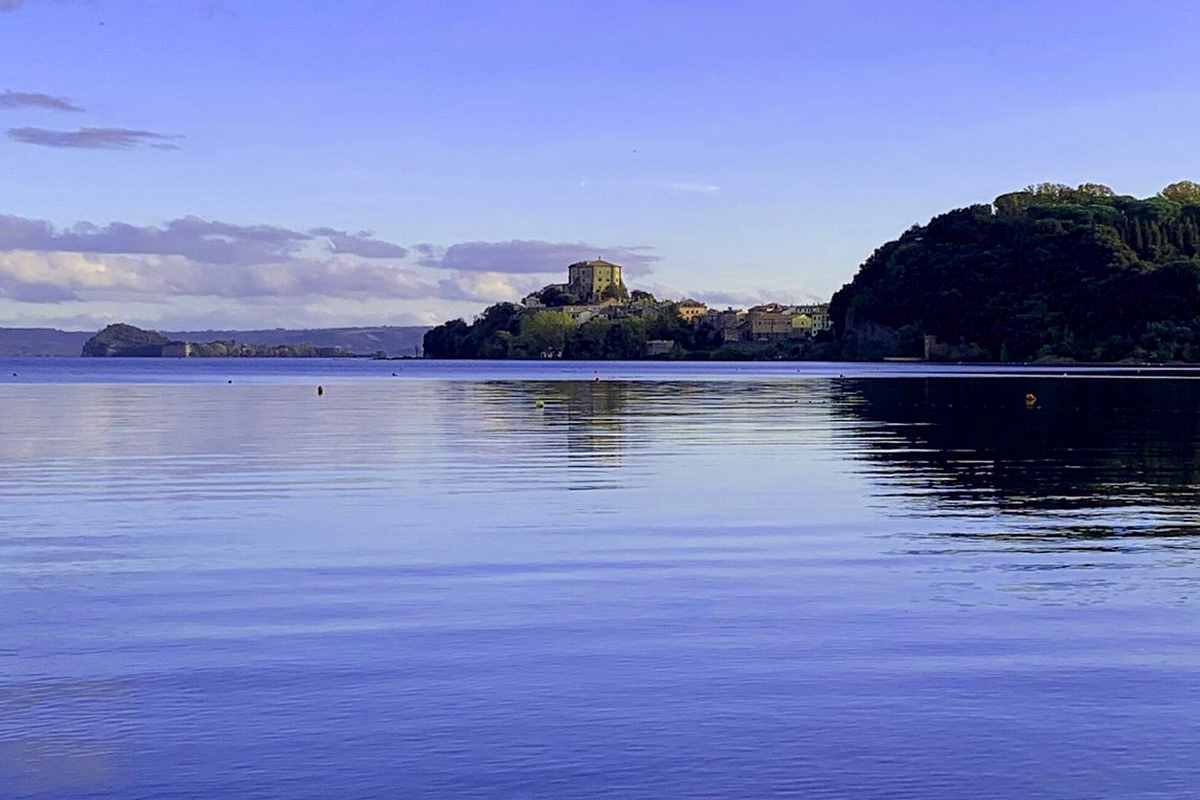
x: 1050, y: 272
x: 507, y: 330
x: 1182, y: 192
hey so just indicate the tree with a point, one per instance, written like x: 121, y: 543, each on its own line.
x: 554, y: 297
x: 1055, y: 272
x: 446, y: 340
x: 667, y: 324
x: 1012, y: 203
x: 1095, y: 190
x: 1182, y: 192
x: 614, y: 291
x: 1048, y: 191
x: 588, y: 341
x: 625, y: 338
x: 544, y: 333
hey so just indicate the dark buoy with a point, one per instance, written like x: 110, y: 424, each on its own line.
x: 229, y: 381
x: 320, y: 391
x: 394, y: 375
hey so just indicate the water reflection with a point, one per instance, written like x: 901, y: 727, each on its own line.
x: 780, y: 585
x: 588, y: 415
x: 967, y: 445
x: 1087, y: 496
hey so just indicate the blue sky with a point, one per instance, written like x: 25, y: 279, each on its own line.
x: 730, y: 151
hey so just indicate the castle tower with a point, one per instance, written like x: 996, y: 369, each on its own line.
x: 588, y: 280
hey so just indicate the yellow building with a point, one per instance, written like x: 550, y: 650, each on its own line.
x: 802, y: 323
x: 770, y: 321
x: 589, y: 280
x: 818, y: 316
x: 691, y: 310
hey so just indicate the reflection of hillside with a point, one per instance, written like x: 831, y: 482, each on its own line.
x: 591, y: 414
x: 963, y: 444
x: 519, y: 426
x: 589, y: 427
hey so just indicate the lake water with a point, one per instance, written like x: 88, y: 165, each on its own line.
x: 560, y: 581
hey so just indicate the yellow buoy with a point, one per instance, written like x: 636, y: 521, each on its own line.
x: 1030, y: 399
x: 539, y: 404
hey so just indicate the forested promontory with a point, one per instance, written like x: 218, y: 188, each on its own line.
x: 1047, y: 273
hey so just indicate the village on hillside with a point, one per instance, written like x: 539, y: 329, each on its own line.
x: 596, y: 290
x: 593, y: 315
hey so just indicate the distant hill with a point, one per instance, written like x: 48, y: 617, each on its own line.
x: 393, y: 340
x: 1048, y: 273
x: 24, y: 342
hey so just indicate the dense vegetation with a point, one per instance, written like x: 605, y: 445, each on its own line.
x: 1051, y: 272
x: 557, y: 295
x: 125, y: 340
x: 507, y: 330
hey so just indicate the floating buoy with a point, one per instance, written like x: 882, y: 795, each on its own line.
x: 320, y: 391
x: 1030, y: 399
x: 539, y: 404
x: 394, y: 375
x: 229, y: 381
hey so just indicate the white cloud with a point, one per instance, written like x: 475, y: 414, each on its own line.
x: 531, y: 256
x: 172, y: 274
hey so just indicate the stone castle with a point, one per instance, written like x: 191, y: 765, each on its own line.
x: 594, y: 281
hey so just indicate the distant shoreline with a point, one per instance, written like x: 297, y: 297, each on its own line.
x: 366, y: 341
x: 1025, y: 368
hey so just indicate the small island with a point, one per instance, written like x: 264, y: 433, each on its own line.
x: 126, y: 341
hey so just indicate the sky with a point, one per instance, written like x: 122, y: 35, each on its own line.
x: 192, y: 163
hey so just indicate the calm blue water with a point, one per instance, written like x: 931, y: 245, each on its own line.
x: 570, y: 581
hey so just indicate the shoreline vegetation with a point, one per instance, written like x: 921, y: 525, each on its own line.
x: 1050, y: 274
x: 392, y: 340
x: 511, y: 331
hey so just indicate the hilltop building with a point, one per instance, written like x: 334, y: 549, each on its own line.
x: 590, y: 281
x: 691, y: 310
